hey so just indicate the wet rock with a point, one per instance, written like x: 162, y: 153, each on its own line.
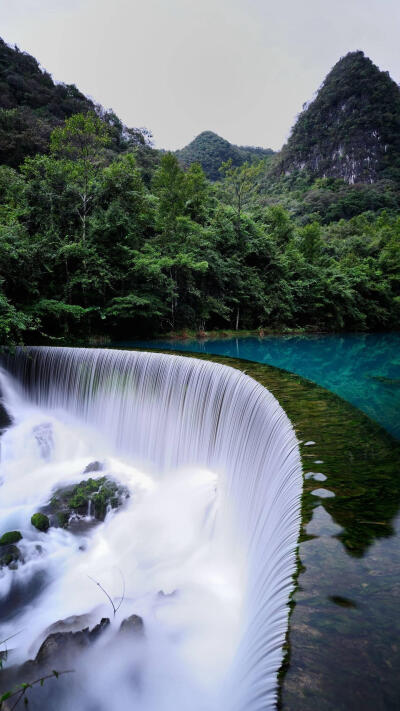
x: 9, y: 556
x: 73, y: 623
x: 99, y: 629
x: 93, y: 467
x: 80, y: 506
x: 65, y: 644
x: 10, y: 537
x: 5, y: 419
x: 132, y: 626
x: 41, y: 522
x: 164, y: 596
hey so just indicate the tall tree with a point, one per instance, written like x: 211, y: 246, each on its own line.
x: 239, y: 185
x: 81, y: 142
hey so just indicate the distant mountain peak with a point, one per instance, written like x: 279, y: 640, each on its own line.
x: 211, y: 150
x: 351, y: 129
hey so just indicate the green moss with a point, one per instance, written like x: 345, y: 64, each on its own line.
x: 101, y: 492
x: 63, y: 518
x: 10, y: 537
x: 40, y: 521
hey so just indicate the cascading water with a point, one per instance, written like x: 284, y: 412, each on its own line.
x: 205, y: 543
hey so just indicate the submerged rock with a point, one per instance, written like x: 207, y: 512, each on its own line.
x: 165, y: 596
x: 82, y: 505
x: 10, y: 555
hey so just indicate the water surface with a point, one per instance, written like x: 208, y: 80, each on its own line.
x: 363, y: 369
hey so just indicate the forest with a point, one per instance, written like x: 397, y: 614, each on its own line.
x: 104, y: 238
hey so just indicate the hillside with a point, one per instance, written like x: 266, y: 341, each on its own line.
x: 32, y: 105
x: 210, y: 150
x: 352, y: 128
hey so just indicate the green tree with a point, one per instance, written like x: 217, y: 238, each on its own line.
x: 81, y: 142
x: 239, y: 185
x: 311, y: 242
x: 169, y: 187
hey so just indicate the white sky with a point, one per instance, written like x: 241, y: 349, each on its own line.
x: 241, y: 68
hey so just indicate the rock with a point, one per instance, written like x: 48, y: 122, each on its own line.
x: 80, y: 506
x: 5, y: 419
x: 163, y: 596
x: 94, y: 467
x: 66, y: 644
x: 73, y: 623
x: 132, y: 626
x: 10, y: 537
x: 40, y: 521
x: 98, y: 629
x: 9, y: 556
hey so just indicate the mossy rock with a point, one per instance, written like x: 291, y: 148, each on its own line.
x: 102, y: 492
x: 40, y: 521
x: 10, y: 537
x: 71, y: 503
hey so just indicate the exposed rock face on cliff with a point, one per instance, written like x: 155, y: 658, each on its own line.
x: 351, y: 130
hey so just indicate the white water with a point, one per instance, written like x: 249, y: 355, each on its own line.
x: 213, y: 468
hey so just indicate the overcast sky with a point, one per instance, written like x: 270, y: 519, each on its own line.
x: 241, y: 68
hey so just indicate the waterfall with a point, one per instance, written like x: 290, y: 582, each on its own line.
x: 168, y: 414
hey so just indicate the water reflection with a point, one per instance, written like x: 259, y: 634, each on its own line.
x: 362, y: 368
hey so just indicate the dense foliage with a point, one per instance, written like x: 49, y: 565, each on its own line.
x: 103, y: 237
x: 352, y: 128
x: 211, y: 151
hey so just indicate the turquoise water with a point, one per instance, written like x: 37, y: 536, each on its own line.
x: 362, y: 368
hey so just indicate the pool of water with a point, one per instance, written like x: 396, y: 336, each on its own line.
x: 363, y: 369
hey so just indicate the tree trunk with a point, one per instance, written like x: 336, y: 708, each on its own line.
x: 237, y: 319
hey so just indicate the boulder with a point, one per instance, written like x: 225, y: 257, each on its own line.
x: 10, y: 537
x: 40, y: 521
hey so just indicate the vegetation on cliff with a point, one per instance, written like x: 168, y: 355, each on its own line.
x: 351, y: 130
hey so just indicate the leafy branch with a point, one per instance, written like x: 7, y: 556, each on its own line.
x: 21, y: 690
x: 4, y: 653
